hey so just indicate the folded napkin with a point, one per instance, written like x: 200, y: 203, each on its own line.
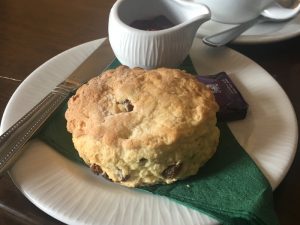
x: 229, y: 187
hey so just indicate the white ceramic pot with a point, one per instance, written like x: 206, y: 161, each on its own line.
x: 234, y: 11
x: 151, y: 49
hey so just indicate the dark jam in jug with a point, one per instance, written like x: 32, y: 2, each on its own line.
x: 157, y: 23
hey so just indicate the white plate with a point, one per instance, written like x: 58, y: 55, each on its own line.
x: 260, y: 33
x: 72, y: 194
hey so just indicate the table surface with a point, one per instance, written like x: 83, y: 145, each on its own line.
x: 33, y: 31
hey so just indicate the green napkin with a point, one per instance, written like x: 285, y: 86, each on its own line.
x: 229, y: 188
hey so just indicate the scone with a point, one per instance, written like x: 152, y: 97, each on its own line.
x: 142, y: 127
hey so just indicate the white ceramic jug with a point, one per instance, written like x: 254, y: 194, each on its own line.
x: 159, y: 48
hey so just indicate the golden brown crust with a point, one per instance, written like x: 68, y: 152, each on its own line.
x: 134, y: 123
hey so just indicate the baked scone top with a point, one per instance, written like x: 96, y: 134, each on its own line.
x: 132, y: 108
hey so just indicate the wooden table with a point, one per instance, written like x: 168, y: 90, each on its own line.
x: 33, y: 31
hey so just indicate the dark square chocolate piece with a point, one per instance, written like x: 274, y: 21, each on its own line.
x: 231, y: 102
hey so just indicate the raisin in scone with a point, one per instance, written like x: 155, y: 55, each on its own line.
x: 143, y: 127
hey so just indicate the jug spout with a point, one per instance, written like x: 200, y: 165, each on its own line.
x: 188, y: 13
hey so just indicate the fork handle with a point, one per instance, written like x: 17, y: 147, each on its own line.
x: 13, y: 140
